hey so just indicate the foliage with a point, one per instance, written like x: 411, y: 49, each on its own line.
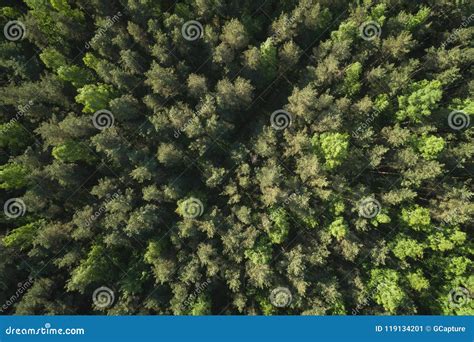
x: 430, y: 146
x: 23, y: 237
x: 13, y: 176
x: 78, y: 76
x: 267, y: 151
x: 422, y: 99
x: 334, y: 147
x: 268, y: 59
x: 72, y: 151
x: 385, y: 284
x: 405, y: 247
x: 416, y: 217
x: 261, y: 253
x: 95, y: 97
x: 351, y: 81
x: 281, y: 225
x: 338, y: 228
x: 13, y: 136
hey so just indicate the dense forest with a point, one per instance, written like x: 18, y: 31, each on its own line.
x: 255, y: 157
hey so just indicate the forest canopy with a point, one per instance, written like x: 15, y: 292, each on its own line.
x: 195, y: 157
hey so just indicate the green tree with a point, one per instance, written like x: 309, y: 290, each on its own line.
x: 404, y: 247
x: 387, y: 292
x: 333, y: 146
x: 71, y: 152
x: 280, y: 227
x: 423, y: 97
x: 338, y: 228
x: 95, y: 97
x: 416, y: 217
x: 351, y: 81
x: 430, y: 146
x: 13, y: 176
x: 23, y: 237
x: 268, y: 59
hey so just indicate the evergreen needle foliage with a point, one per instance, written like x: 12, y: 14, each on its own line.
x: 237, y: 157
